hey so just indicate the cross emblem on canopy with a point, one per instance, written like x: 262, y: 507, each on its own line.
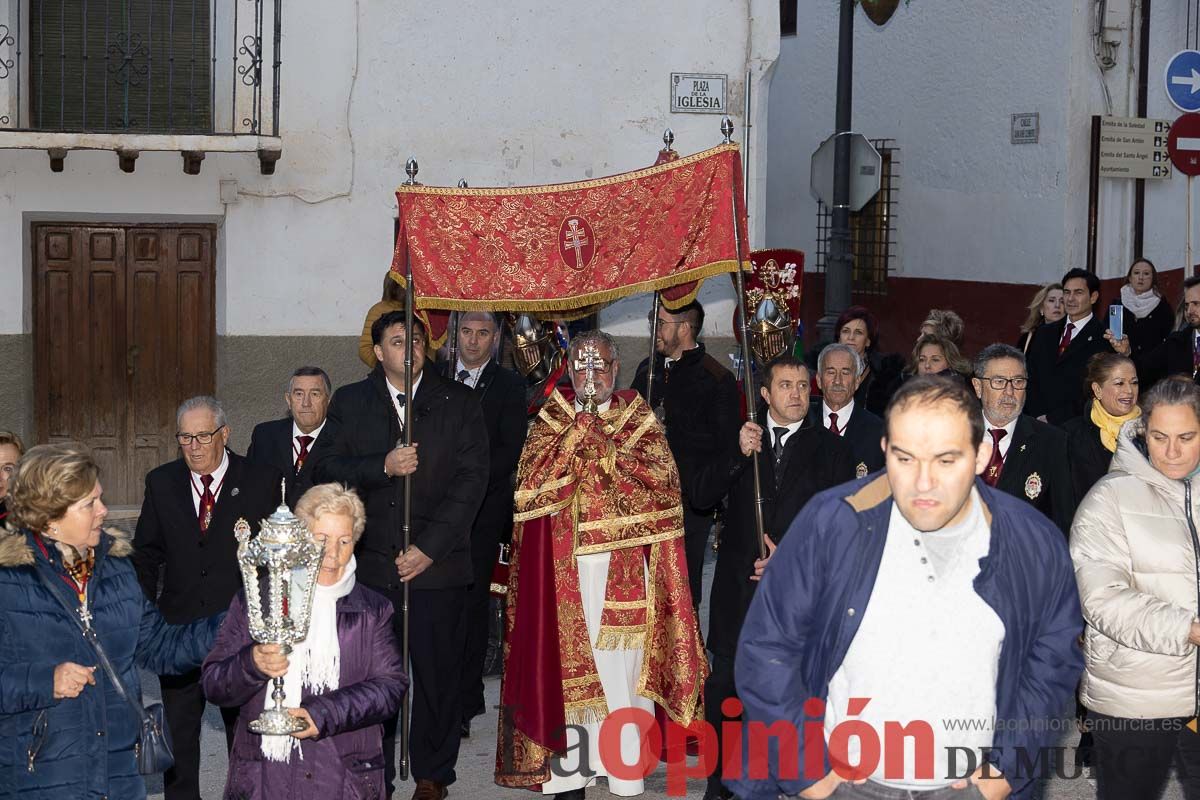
x: 575, y: 238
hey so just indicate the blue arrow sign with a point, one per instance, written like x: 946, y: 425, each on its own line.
x: 1182, y: 78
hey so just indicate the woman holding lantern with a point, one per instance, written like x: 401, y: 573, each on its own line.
x: 345, y: 678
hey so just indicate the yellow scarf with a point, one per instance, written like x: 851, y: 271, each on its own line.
x: 1109, y: 425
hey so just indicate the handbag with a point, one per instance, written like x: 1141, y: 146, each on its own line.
x: 153, y: 747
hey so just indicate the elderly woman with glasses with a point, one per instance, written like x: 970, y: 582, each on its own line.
x: 345, y: 678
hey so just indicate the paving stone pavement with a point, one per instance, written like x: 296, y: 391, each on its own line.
x: 477, y: 757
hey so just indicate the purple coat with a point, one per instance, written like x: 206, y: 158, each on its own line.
x: 346, y: 760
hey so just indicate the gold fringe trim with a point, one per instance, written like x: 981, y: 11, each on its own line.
x: 553, y: 188
x: 552, y: 486
x: 591, y: 298
x: 585, y: 712
x: 625, y: 637
x: 604, y: 547
x: 636, y: 519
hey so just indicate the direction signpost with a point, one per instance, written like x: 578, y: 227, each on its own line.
x: 1183, y: 145
x: 1131, y: 147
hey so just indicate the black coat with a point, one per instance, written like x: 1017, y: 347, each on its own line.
x: 1056, y: 384
x: 1147, y: 333
x: 1036, y: 471
x: 447, y: 488
x: 813, y: 460
x: 862, y: 433
x: 702, y: 413
x: 1088, y: 456
x: 201, y: 575
x: 1172, y: 357
x: 881, y: 381
x: 271, y: 443
x: 501, y: 393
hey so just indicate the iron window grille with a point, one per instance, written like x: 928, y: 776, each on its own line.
x: 872, y: 230
x: 140, y: 66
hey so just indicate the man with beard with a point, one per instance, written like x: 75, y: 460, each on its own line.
x: 1029, y: 458
x: 879, y: 579
x: 839, y: 371
x: 599, y: 615
x: 697, y: 400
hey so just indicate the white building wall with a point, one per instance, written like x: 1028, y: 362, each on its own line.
x: 496, y: 93
x: 942, y: 78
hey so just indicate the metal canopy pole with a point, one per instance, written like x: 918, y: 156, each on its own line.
x: 668, y: 140
x: 410, y: 169
x: 747, y: 354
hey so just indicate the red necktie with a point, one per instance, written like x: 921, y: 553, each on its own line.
x: 991, y: 475
x: 305, y: 441
x: 833, y: 428
x: 207, y: 501
x: 1066, y: 339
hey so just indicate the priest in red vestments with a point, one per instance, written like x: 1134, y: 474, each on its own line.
x: 599, y: 613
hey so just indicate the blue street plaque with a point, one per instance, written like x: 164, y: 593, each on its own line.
x: 1182, y: 78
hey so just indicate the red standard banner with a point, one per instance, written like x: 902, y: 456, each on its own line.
x: 573, y: 246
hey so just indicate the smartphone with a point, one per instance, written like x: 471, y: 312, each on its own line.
x: 1116, y: 321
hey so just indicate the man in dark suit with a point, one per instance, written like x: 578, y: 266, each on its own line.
x: 797, y: 458
x: 697, y: 400
x: 1029, y: 458
x: 1060, y: 351
x: 448, y: 462
x: 1179, y: 353
x: 186, y: 526
x: 501, y: 392
x: 839, y: 371
x: 286, y: 443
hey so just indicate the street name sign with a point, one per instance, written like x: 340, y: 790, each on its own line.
x: 693, y: 93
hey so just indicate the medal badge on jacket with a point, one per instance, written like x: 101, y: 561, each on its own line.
x: 1033, y: 486
x: 861, y: 470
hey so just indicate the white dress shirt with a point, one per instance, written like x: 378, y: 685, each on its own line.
x: 472, y: 379
x: 218, y: 482
x: 393, y: 391
x: 772, y: 425
x: 297, y: 433
x: 844, y: 415
x: 1006, y: 440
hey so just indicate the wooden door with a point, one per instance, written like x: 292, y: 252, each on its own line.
x: 124, y: 330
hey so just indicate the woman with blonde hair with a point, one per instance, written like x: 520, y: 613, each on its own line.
x: 70, y: 729
x: 934, y: 354
x: 345, y: 679
x: 1045, y: 307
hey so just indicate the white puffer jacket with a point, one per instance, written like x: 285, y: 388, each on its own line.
x: 1135, y: 546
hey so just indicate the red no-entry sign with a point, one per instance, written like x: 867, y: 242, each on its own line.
x: 1183, y: 144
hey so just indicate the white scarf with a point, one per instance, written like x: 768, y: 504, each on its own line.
x: 315, y: 662
x: 1139, y: 304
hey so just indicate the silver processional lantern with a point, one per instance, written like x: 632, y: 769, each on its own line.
x: 282, y: 563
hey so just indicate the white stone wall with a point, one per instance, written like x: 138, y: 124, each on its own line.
x: 942, y: 78
x: 496, y: 93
